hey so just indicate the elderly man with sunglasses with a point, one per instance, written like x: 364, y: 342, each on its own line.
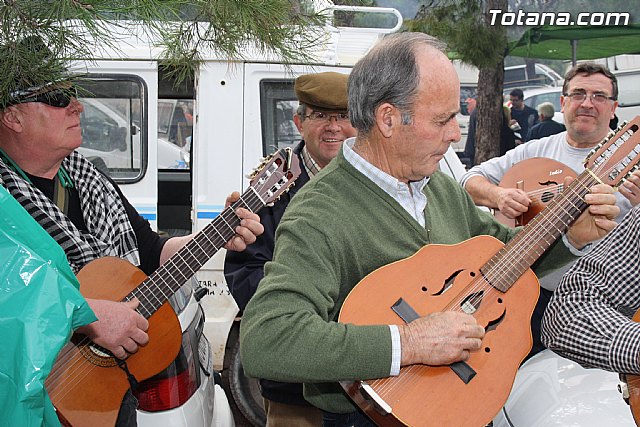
x: 324, y: 125
x: 82, y: 209
x: 589, y: 101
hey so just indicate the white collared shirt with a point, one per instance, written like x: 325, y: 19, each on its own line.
x: 409, y: 196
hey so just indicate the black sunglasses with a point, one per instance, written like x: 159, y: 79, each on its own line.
x: 59, y: 98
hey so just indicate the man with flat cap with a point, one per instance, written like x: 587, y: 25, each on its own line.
x: 323, y: 123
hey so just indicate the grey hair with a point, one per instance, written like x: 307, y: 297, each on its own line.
x: 546, y: 109
x: 388, y: 73
x: 590, y: 68
x: 302, y: 109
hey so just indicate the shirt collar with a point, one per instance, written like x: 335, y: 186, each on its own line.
x: 382, y: 179
x: 310, y: 165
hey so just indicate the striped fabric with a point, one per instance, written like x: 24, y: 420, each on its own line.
x: 110, y: 232
x: 589, y: 317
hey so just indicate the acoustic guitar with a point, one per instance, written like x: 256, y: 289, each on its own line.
x: 541, y: 178
x: 87, y: 383
x: 485, y: 278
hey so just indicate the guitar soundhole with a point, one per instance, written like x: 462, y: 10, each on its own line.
x: 472, y: 302
x: 546, y: 196
x: 96, y: 355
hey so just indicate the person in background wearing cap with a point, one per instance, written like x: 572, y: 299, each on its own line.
x: 380, y: 200
x: 323, y: 123
x: 84, y: 210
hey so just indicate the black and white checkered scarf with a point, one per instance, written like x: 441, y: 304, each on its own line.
x: 110, y: 232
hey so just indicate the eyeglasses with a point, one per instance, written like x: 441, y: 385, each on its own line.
x: 59, y: 98
x: 319, y: 116
x: 596, y: 98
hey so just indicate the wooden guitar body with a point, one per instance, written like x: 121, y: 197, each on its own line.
x: 78, y: 365
x: 541, y: 178
x: 428, y: 281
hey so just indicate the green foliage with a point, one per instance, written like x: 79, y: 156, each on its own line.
x: 461, y: 25
x: 77, y: 29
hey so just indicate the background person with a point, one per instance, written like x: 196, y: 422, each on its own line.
x: 380, y: 200
x: 507, y: 137
x: 547, y: 126
x: 521, y: 114
x: 323, y: 123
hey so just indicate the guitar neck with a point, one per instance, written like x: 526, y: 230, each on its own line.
x: 156, y: 289
x: 521, y: 252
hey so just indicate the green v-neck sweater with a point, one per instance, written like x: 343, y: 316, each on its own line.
x: 336, y: 230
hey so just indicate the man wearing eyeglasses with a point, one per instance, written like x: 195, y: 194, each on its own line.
x: 589, y: 101
x: 323, y: 122
x: 82, y: 209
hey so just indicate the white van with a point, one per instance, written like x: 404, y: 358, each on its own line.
x: 628, y: 93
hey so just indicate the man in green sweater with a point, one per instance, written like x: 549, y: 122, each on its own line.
x: 379, y: 201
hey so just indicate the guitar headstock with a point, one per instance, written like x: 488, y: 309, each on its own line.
x: 275, y: 175
x: 618, y: 156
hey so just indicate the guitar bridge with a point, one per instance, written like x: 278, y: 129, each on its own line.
x: 374, y: 399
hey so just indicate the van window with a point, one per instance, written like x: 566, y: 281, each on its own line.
x: 466, y: 92
x: 175, y: 133
x: 113, y: 131
x: 629, y: 89
x: 552, y: 97
x: 515, y: 77
x: 278, y: 105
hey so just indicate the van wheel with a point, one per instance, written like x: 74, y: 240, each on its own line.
x: 245, y: 390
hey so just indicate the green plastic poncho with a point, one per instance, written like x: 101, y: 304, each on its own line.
x: 40, y: 305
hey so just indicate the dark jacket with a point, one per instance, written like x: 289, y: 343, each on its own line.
x: 526, y: 118
x: 244, y: 270
x: 545, y: 128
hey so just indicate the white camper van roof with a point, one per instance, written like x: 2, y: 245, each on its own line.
x: 337, y: 45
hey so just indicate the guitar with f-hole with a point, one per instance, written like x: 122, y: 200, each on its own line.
x: 481, y: 277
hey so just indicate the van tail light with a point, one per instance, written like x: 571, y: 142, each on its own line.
x: 172, y: 387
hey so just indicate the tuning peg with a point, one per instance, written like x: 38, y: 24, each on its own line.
x: 623, y: 124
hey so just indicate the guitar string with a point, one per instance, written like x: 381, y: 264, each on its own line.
x: 536, y: 195
x: 68, y: 363
x: 80, y: 358
x: 390, y: 384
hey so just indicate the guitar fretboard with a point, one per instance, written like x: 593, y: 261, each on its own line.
x: 156, y: 289
x: 521, y: 252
